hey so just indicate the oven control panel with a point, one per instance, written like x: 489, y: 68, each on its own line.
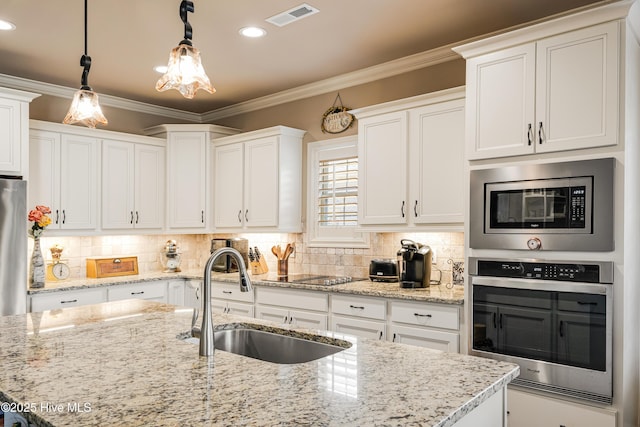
x: 589, y: 273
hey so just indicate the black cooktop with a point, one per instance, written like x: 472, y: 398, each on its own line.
x: 313, y: 279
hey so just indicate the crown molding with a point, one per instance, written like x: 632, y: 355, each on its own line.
x: 59, y: 91
x: 366, y: 75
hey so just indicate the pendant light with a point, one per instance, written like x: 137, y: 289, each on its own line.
x: 85, y: 108
x: 185, y: 72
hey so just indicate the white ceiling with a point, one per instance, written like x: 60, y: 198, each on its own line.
x: 127, y: 38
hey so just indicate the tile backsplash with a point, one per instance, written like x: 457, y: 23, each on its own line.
x: 448, y: 248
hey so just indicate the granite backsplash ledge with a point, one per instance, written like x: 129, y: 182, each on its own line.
x: 448, y: 247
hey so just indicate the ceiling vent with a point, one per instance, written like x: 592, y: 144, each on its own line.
x: 292, y: 15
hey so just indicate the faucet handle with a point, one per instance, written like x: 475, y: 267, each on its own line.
x: 195, y: 330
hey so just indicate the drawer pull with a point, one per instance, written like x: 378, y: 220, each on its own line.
x: 68, y: 302
x: 359, y: 307
x: 137, y: 293
x: 380, y: 337
x: 422, y: 315
x: 227, y: 292
x: 117, y: 261
x: 394, y: 338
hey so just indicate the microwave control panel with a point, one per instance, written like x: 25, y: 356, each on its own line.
x: 578, y: 206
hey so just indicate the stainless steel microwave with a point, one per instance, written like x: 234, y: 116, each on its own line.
x: 566, y: 206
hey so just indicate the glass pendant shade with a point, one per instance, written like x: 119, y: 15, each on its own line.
x: 85, y: 109
x: 185, y: 72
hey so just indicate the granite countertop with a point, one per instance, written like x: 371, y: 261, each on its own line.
x: 120, y: 363
x: 444, y: 293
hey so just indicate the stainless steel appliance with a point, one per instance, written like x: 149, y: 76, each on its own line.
x: 13, y: 246
x: 414, y: 264
x: 553, y: 318
x: 555, y: 206
x: 383, y: 270
x: 226, y: 263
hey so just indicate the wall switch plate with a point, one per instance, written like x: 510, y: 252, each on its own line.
x: 434, y: 257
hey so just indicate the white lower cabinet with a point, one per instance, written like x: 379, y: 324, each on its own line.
x: 176, y: 292
x: 227, y: 298
x: 64, y: 299
x: 152, y: 291
x: 435, y: 326
x: 359, y: 327
x: 193, y: 293
x: 306, y: 309
x: 526, y: 409
x: 360, y: 316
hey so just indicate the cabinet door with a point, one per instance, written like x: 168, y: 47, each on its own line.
x: 186, y: 175
x: 10, y: 137
x: 79, y: 182
x: 382, y: 175
x: 229, y: 184
x: 273, y: 314
x: 117, y: 184
x: 577, y: 89
x: 240, y: 309
x: 261, y: 172
x: 149, y: 186
x: 192, y: 294
x: 44, y: 173
x: 436, y: 151
x: 533, y: 410
x: 175, y: 293
x: 153, y: 291
x: 500, y: 103
x: 423, y: 337
x: 309, y: 320
x: 358, y: 327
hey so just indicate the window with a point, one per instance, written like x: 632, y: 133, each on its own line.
x: 332, y: 195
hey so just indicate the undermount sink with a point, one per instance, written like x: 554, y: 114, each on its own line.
x: 273, y: 347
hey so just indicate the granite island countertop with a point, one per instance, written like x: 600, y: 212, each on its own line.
x: 122, y: 363
x: 444, y: 293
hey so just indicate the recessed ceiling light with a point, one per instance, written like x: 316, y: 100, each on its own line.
x: 6, y: 25
x: 253, y: 32
x: 160, y: 69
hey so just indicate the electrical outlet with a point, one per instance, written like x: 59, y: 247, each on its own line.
x: 434, y: 257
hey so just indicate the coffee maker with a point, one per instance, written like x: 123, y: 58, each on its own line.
x: 414, y: 264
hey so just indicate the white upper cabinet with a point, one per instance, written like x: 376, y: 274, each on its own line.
x: 188, y: 177
x: 133, y: 185
x: 257, y: 181
x: 64, y: 176
x: 14, y: 131
x: 411, y: 162
x: 554, y: 93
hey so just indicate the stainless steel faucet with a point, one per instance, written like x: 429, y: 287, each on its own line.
x: 206, y: 332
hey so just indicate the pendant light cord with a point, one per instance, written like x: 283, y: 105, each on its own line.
x: 85, y: 60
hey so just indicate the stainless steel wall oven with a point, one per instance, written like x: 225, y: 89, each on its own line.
x: 553, y: 318
x: 555, y: 206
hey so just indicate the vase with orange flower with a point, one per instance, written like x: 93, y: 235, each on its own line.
x: 40, y: 218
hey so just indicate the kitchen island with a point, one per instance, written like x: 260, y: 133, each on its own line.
x: 121, y: 363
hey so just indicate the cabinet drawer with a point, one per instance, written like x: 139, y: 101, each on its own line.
x: 67, y: 299
x: 230, y: 291
x: 423, y: 337
x: 155, y: 291
x: 371, y: 308
x: 305, y: 300
x: 360, y: 328
x: 433, y: 315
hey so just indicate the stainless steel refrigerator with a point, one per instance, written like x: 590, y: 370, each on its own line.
x: 13, y: 246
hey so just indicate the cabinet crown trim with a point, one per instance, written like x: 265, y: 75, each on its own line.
x: 531, y: 33
x: 261, y: 133
x: 162, y: 130
x: 411, y: 102
x: 93, y: 133
x: 17, y: 95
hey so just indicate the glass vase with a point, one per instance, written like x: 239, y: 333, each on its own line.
x: 37, y: 265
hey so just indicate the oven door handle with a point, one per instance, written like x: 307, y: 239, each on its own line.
x: 543, y: 285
